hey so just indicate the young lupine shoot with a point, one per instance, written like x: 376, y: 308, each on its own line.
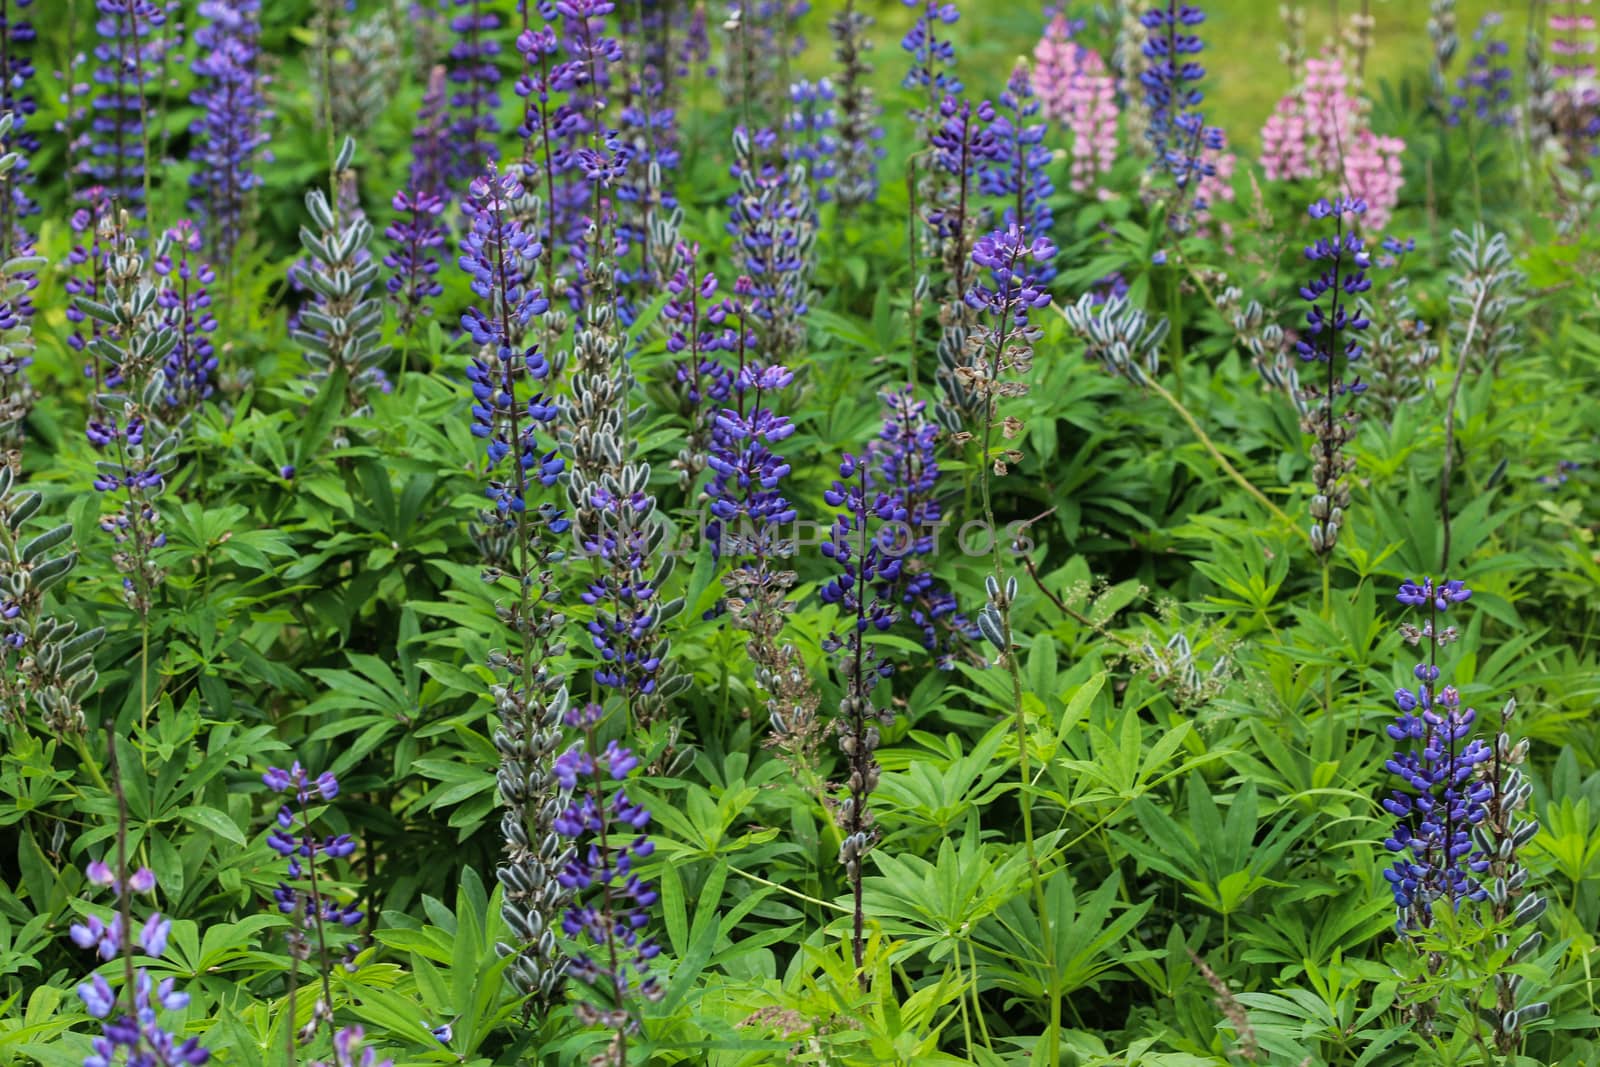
x: 341, y: 328
x: 857, y: 167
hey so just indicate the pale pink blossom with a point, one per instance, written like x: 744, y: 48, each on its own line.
x: 1077, y: 90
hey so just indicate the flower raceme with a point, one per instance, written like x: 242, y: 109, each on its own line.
x: 1441, y: 797
x: 136, y: 1035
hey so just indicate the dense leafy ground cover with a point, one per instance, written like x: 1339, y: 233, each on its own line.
x: 747, y: 535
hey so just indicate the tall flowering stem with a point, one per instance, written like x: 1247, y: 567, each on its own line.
x: 430, y: 139
x: 230, y: 136
x: 1332, y: 339
x: 610, y: 904
x: 133, y: 1031
x: 1402, y: 350
x: 1483, y: 92
x: 520, y: 536
x: 128, y: 63
x: 191, y: 368
x: 1005, y: 341
x: 857, y: 166
x: 863, y: 566
x: 774, y: 228
x: 932, y: 57
x: 304, y: 897
x: 961, y: 141
x: 475, y: 80
x: 698, y: 328
x: 18, y: 278
x: 128, y: 425
x: 17, y: 36
x: 1177, y: 130
x: 417, y: 236
x: 1018, y: 170
x: 902, y: 463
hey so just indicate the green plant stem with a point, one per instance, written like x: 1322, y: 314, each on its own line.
x: 1222, y: 461
x: 1019, y: 717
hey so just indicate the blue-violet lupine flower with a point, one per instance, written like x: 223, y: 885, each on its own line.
x: 192, y: 365
x: 1017, y: 170
x: 811, y: 140
x: 476, y: 80
x: 699, y: 325
x: 305, y: 896
x: 1334, y: 324
x: 773, y: 223
x: 499, y: 255
x: 1442, y: 796
x: 1483, y: 92
x: 933, y: 57
x: 137, y: 1038
x: 431, y: 149
x: 611, y: 904
x: 903, y: 462
x: 128, y: 65
x: 17, y: 35
x: 414, y: 260
x: 230, y: 135
x: 1177, y: 131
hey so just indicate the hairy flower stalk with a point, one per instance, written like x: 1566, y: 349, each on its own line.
x: 610, y: 904
x: 645, y: 202
x: 128, y: 424
x: 306, y: 896
x: 1334, y: 324
x: 1444, y: 35
x: 230, y: 136
x: 856, y: 171
x: 128, y: 63
x: 863, y: 565
x: 341, y: 327
x: 520, y: 537
x: 46, y: 663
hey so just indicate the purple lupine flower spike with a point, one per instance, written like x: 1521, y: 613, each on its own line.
x: 128, y: 65
x: 475, y: 79
x: 1441, y: 796
x: 611, y: 905
x: 139, y: 1037
x: 414, y: 261
x: 1332, y: 339
x: 230, y: 136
